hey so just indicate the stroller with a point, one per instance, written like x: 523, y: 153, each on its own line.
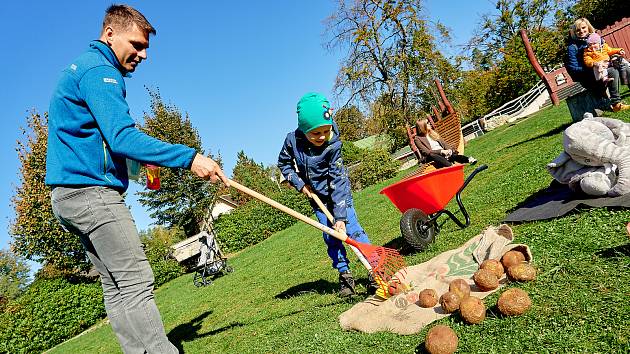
x: 211, y: 261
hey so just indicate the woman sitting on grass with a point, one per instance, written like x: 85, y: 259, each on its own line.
x: 433, y: 149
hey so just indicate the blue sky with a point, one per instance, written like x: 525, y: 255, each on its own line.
x: 237, y: 68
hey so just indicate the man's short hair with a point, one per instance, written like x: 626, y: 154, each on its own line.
x: 123, y: 17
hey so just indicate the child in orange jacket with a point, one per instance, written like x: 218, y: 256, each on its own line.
x: 597, y: 56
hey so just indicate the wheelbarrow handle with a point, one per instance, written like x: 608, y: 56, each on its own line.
x: 472, y: 175
x: 458, y: 197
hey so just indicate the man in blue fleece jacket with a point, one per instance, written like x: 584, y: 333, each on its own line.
x: 90, y: 136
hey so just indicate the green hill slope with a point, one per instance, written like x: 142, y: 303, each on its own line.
x: 281, y: 297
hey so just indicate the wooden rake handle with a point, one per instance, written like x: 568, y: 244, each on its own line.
x: 321, y: 205
x: 356, y: 251
x: 336, y: 234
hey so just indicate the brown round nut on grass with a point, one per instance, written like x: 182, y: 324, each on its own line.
x: 450, y: 302
x: 441, y: 340
x: 494, y: 266
x: 514, y: 302
x: 427, y: 298
x: 486, y: 280
x: 459, y: 287
x: 522, y: 272
x: 511, y: 258
x: 473, y: 310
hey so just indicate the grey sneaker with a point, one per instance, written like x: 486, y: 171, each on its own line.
x: 472, y: 160
x: 346, y: 284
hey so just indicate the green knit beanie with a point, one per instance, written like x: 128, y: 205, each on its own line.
x: 313, y: 111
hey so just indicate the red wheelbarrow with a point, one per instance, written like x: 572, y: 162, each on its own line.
x: 422, y: 199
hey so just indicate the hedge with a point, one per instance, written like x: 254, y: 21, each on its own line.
x: 49, y: 312
x: 255, y: 221
x: 376, y: 166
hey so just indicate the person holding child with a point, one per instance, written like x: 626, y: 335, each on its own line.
x: 311, y: 161
x: 597, y: 56
x: 578, y: 44
x: 433, y: 149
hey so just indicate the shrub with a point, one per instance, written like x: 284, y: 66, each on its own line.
x: 375, y: 166
x: 351, y: 153
x: 255, y: 220
x: 49, y: 312
x: 157, y: 243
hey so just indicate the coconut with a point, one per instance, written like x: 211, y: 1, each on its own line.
x: 473, y: 310
x: 522, y: 272
x: 450, y: 301
x: 460, y: 287
x: 441, y: 340
x: 514, y: 302
x: 427, y: 298
x: 494, y: 266
x: 511, y: 258
x: 486, y: 280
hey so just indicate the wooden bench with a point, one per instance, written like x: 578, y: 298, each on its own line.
x: 559, y: 82
x: 445, y: 122
x: 450, y: 130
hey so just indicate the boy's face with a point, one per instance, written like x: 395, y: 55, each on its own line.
x: 319, y: 136
x: 594, y: 46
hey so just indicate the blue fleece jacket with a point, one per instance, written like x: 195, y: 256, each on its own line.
x: 321, y: 167
x: 90, y: 131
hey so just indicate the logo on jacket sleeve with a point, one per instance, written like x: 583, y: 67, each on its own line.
x: 110, y: 80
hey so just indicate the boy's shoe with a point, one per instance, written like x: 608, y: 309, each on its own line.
x: 472, y: 160
x: 346, y: 284
x: 620, y: 107
x: 372, y: 285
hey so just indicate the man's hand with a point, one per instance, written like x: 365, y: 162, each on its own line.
x: 207, y: 168
x: 340, y: 226
x: 306, y: 190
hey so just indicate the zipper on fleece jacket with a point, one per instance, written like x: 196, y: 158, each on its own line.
x: 105, y: 162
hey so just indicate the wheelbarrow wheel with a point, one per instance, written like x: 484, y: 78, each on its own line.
x: 415, y: 230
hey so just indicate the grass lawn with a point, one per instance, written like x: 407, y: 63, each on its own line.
x: 281, y: 297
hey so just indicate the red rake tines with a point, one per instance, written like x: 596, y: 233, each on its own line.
x: 386, y: 263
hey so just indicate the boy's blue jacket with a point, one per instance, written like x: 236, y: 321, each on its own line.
x: 90, y: 131
x: 320, y: 167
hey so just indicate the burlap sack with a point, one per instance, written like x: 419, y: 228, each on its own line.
x: 401, y: 313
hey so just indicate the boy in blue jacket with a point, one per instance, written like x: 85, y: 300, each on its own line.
x: 311, y: 161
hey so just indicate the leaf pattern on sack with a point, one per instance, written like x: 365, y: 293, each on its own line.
x: 463, y: 264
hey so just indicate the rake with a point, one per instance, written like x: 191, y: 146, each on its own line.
x: 386, y: 264
x: 383, y: 286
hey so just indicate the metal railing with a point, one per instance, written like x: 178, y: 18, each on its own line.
x: 510, y: 109
x: 472, y: 130
x: 518, y: 104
